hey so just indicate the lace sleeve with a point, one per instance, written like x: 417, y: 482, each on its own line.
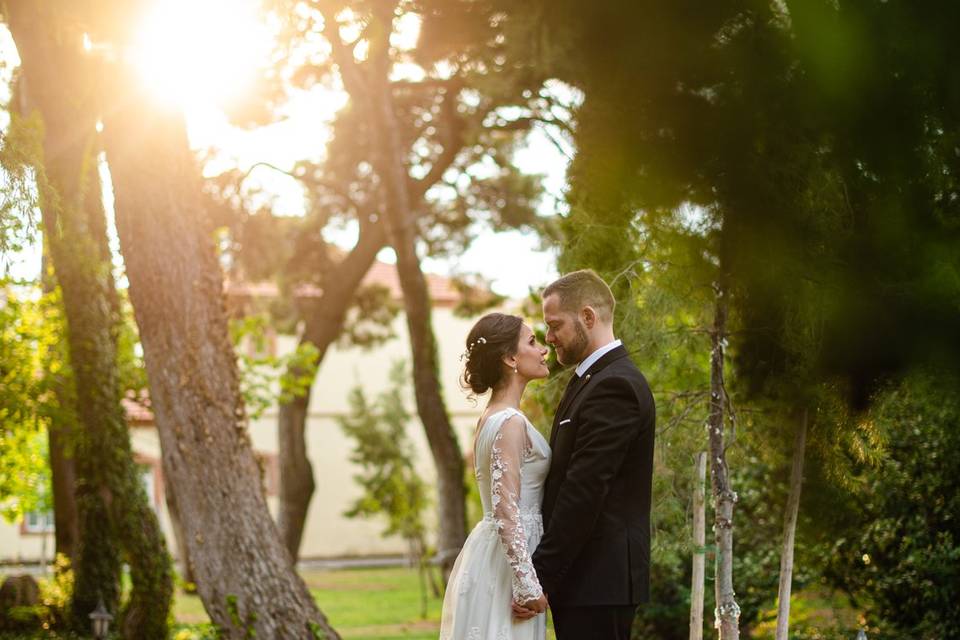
x: 505, y: 460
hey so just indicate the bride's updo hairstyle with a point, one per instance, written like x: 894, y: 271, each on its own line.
x: 494, y: 336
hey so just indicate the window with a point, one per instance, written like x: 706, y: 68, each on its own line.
x: 38, y: 522
x: 151, y: 478
x: 149, y: 483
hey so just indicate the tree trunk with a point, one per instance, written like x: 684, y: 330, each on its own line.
x: 176, y: 523
x: 728, y: 611
x: 790, y: 529
x: 245, y: 576
x: 63, y: 475
x: 699, y: 552
x: 324, y: 322
x: 451, y: 493
x: 391, y: 167
x: 63, y: 478
x: 296, y: 473
x: 114, y: 513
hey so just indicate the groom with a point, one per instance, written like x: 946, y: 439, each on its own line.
x: 594, y: 559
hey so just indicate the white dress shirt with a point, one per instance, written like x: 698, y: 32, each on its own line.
x: 596, y: 355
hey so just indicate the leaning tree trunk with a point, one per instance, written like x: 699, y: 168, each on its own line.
x: 183, y: 554
x: 451, y: 493
x: 245, y: 576
x: 116, y: 522
x: 790, y: 529
x: 728, y: 611
x: 390, y: 165
x: 323, y: 324
x: 699, y: 552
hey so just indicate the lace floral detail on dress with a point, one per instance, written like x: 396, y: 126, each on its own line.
x: 506, y: 456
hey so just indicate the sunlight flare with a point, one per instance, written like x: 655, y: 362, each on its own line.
x: 201, y: 52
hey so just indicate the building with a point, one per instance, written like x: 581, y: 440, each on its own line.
x: 328, y: 533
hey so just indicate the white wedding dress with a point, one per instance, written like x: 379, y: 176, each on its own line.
x: 494, y: 568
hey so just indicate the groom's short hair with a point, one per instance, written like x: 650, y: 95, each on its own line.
x: 583, y: 288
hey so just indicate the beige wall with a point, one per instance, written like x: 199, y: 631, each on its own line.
x: 328, y: 533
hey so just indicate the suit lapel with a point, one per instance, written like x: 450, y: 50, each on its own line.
x: 578, y: 383
x: 610, y: 356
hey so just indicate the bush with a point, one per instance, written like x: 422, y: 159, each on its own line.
x: 902, y: 559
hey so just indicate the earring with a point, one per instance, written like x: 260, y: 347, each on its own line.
x: 515, y: 369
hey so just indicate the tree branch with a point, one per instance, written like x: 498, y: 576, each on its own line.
x: 307, y: 180
x: 350, y: 71
x: 455, y: 127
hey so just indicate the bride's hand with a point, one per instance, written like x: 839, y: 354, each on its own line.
x: 530, y: 608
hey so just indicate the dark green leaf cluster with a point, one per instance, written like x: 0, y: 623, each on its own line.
x: 822, y: 137
x: 900, y: 555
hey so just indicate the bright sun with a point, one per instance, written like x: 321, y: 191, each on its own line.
x: 201, y: 52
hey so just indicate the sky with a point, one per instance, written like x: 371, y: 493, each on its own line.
x: 197, y: 74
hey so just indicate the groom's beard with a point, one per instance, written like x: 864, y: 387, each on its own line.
x: 576, y: 351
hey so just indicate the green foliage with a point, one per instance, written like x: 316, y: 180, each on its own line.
x: 391, y: 485
x: 246, y: 624
x: 20, y: 147
x: 197, y: 632
x: 38, y: 394
x: 900, y: 555
x: 813, y: 616
x: 56, y: 592
x: 468, y: 114
x: 390, y: 482
x: 369, y: 321
x: 32, y: 381
x: 823, y: 136
x: 475, y: 296
x: 267, y: 378
x: 261, y: 370
x: 317, y: 631
x: 47, y: 618
x: 804, y: 153
x: 131, y: 368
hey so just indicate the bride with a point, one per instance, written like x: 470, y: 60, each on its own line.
x: 494, y: 570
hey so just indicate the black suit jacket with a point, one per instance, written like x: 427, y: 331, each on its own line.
x: 596, y: 505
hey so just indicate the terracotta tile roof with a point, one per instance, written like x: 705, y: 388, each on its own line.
x: 442, y: 291
x: 136, y: 407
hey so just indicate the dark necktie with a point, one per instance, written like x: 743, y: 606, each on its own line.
x: 568, y: 393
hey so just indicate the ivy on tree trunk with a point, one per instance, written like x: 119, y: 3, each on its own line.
x: 116, y: 522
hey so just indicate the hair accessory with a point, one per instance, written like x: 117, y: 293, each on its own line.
x: 466, y: 354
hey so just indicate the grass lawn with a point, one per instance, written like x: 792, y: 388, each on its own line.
x: 374, y: 604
